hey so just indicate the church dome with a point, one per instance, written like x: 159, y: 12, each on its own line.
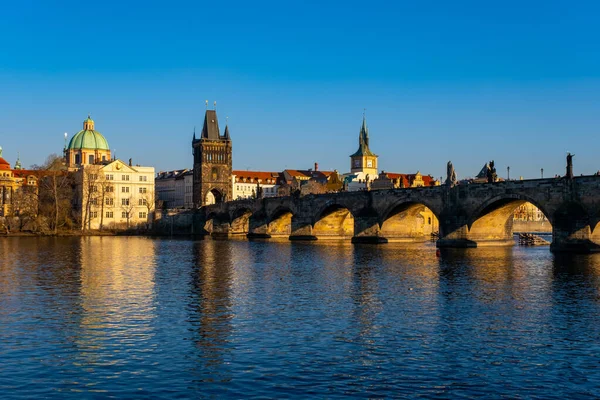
x: 4, y: 165
x: 88, y: 138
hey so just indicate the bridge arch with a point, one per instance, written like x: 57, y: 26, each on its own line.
x: 240, y: 221
x: 216, y: 222
x: 409, y: 221
x: 213, y: 196
x: 333, y: 221
x: 492, y: 221
x: 280, y: 222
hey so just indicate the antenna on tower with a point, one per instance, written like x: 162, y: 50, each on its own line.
x: 66, y: 139
x: 207, y: 104
x: 215, y: 105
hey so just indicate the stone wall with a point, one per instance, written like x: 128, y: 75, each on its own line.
x: 531, y: 226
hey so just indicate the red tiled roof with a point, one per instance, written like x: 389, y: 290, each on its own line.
x: 252, y: 176
x: 408, y: 178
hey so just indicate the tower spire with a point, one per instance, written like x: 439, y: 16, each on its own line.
x: 18, y: 162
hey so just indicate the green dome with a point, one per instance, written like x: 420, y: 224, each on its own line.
x: 88, y: 139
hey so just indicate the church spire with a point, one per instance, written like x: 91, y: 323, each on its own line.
x: 363, y: 140
x: 364, y: 132
x: 18, y: 162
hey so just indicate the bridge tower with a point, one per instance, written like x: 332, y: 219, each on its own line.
x: 212, y: 163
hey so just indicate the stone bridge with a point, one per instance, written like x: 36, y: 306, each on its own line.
x: 468, y: 215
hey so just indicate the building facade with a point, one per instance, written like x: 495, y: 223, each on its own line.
x: 252, y: 184
x: 212, y: 182
x: 114, y: 195
x: 391, y: 180
x: 170, y: 188
x: 18, y: 189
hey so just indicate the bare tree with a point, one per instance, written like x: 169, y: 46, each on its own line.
x: 91, y: 194
x: 105, y: 195
x: 55, y: 192
x: 24, y: 205
x: 127, y: 207
x: 148, y: 200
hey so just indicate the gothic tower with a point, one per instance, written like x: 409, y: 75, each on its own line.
x: 363, y: 160
x: 212, y: 163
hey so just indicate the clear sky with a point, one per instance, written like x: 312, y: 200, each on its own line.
x: 468, y: 81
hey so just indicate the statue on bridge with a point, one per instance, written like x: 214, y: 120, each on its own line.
x: 450, y: 175
x: 570, y: 165
x: 491, y: 172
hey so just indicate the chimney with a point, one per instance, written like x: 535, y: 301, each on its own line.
x: 316, y: 166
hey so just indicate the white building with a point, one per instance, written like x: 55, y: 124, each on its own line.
x: 246, y: 183
x: 115, y: 195
x: 174, y: 188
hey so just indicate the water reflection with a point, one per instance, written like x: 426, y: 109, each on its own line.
x: 135, y: 317
x: 211, y: 304
x: 117, y: 290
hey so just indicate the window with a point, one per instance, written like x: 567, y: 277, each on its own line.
x: 93, y: 177
x: 94, y: 188
x: 143, y: 178
x: 110, y: 189
x: 110, y: 201
x: 429, y: 220
x: 94, y: 214
x: 77, y: 159
x: 124, y: 202
x: 125, y: 189
x: 142, y: 215
x: 109, y: 214
x: 124, y: 177
x: 91, y: 159
x: 94, y: 202
x: 109, y: 177
x: 142, y: 202
x: 143, y: 190
x: 123, y: 214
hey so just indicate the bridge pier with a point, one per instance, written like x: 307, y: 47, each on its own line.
x: 368, y: 230
x: 580, y: 241
x: 302, y: 229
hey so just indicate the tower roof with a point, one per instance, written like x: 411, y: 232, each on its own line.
x: 88, y: 138
x: 226, y: 134
x: 363, y: 141
x: 210, y: 130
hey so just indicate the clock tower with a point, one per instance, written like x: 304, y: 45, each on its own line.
x: 364, y: 161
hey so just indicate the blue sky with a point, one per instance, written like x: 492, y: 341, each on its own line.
x: 467, y: 81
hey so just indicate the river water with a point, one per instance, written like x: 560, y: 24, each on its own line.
x: 137, y: 317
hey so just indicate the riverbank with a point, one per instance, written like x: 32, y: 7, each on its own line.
x: 76, y: 233
x: 532, y: 226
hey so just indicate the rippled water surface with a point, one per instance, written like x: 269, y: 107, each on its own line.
x: 137, y: 317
